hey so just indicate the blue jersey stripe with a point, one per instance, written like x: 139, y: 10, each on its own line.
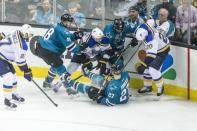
x: 7, y: 86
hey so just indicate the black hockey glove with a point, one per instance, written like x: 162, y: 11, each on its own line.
x: 141, y: 68
x: 78, y: 35
x: 88, y: 64
x: 94, y: 95
x: 102, y: 65
x: 83, y: 46
x: 28, y: 74
x: 133, y: 42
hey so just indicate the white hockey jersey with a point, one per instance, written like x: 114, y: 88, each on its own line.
x: 13, y: 48
x: 94, y: 48
x: 154, y: 42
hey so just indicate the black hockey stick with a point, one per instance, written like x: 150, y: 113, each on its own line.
x: 133, y: 72
x: 106, y: 80
x: 132, y: 55
x: 56, y: 105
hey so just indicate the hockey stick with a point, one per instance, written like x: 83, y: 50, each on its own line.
x: 133, y: 72
x: 132, y: 55
x: 56, y: 105
x: 106, y: 80
x: 78, y: 29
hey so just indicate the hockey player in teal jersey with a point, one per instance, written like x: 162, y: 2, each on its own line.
x: 116, y: 32
x: 55, y: 41
x: 115, y: 92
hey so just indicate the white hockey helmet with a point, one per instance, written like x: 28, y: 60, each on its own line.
x: 141, y: 34
x: 26, y: 30
x: 97, y: 33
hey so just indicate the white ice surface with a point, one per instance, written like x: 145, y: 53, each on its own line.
x: 142, y: 113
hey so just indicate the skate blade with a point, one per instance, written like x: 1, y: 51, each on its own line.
x: 10, y: 108
x: 18, y: 102
x: 145, y: 94
x: 46, y: 88
x: 72, y: 96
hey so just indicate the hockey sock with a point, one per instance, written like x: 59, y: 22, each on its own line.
x: 147, y: 79
x: 51, y: 75
x: 7, y: 91
x: 14, y: 89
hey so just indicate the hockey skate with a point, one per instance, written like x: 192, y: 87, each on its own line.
x: 160, y: 91
x: 62, y: 82
x: 56, y: 86
x: 9, y: 104
x: 145, y: 90
x: 18, y: 98
x: 71, y: 92
x: 46, y: 84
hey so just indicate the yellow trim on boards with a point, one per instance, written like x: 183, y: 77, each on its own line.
x: 173, y: 90
x: 41, y: 72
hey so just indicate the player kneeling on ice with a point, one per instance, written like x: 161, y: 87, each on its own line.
x: 157, y: 48
x: 54, y: 43
x: 13, y: 48
x: 115, y: 91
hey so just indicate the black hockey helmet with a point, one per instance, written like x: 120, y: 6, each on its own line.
x: 117, y: 67
x: 118, y: 25
x: 133, y: 8
x: 66, y: 18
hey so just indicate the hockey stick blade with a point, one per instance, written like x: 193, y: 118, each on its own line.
x: 56, y: 105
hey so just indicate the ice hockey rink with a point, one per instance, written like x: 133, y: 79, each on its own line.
x: 142, y: 113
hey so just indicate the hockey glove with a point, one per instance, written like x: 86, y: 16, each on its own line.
x: 2, y: 36
x: 83, y: 46
x: 85, y: 71
x: 133, y: 42
x: 94, y: 95
x: 28, y: 74
x: 78, y: 35
x: 140, y: 68
x: 102, y: 65
x: 88, y: 64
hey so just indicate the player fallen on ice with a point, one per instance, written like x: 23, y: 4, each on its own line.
x: 53, y: 44
x: 13, y: 48
x: 114, y: 92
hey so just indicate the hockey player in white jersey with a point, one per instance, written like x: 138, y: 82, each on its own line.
x: 97, y: 45
x: 157, y: 47
x: 13, y: 48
